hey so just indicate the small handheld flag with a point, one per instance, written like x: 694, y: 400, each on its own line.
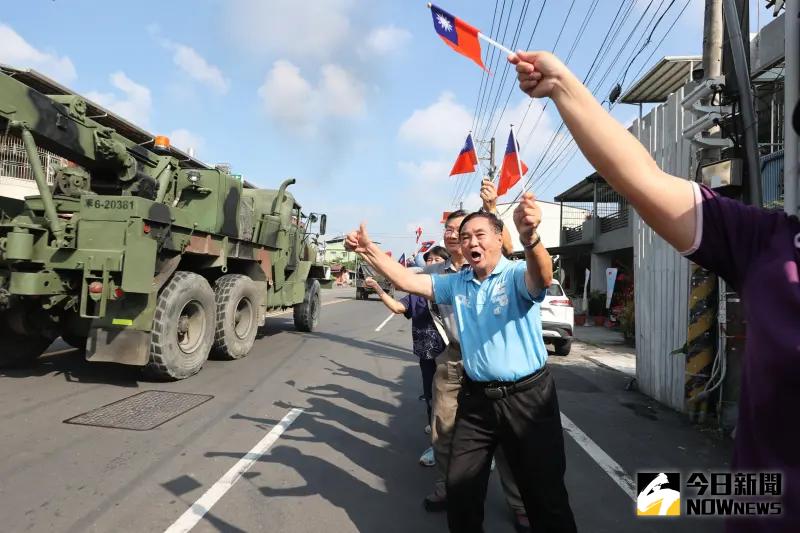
x: 457, y: 34
x: 402, y: 259
x: 513, y: 167
x: 418, y: 233
x: 462, y: 37
x: 467, y: 158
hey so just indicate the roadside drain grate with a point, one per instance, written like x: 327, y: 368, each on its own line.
x: 142, y: 411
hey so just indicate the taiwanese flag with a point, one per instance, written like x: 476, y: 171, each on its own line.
x: 402, y: 259
x: 467, y: 159
x: 513, y: 167
x: 457, y: 34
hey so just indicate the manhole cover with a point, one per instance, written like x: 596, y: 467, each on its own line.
x: 142, y: 411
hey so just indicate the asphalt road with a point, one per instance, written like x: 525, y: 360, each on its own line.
x: 346, y: 462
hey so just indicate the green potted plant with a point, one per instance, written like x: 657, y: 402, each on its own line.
x: 627, y: 322
x: 597, y: 307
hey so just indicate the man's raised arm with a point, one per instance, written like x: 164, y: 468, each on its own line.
x: 527, y: 217
x: 665, y: 202
x: 402, y: 278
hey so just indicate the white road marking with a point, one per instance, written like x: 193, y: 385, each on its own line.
x: 388, y: 318
x: 614, y: 471
x: 203, y: 505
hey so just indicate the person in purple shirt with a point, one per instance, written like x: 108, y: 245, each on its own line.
x: 756, y: 251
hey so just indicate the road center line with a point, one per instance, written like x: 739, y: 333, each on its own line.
x: 203, y: 505
x: 609, y: 466
x: 388, y: 318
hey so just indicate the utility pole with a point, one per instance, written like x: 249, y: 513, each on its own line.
x: 713, y: 34
x: 704, y: 293
x: 712, y: 39
x: 791, y: 176
x: 732, y: 329
x: 492, y: 168
x: 737, y: 24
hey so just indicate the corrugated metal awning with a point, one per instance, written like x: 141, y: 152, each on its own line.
x: 666, y: 77
x: 583, y: 191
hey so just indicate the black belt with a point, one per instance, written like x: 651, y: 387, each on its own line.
x: 495, y: 390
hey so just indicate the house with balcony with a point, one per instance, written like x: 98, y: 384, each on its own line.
x: 595, y: 234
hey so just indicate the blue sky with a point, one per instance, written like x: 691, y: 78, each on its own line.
x: 357, y: 99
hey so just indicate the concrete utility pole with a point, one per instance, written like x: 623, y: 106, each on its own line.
x: 712, y: 39
x: 791, y: 174
x: 492, y: 168
x: 737, y: 23
x: 704, y: 292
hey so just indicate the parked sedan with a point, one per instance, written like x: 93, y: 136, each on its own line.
x: 558, y: 319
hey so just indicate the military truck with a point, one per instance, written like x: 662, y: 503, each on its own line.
x: 364, y: 271
x: 140, y: 253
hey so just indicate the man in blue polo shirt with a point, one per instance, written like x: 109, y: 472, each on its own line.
x: 509, y: 396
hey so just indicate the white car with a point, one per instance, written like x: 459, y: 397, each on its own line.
x: 558, y: 319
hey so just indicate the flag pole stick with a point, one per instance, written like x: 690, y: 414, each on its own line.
x: 519, y: 157
x: 494, y: 43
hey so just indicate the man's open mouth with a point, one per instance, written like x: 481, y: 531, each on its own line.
x: 476, y: 256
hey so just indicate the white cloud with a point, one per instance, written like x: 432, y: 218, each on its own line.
x: 426, y: 172
x: 135, y: 104
x: 286, y: 97
x: 17, y: 52
x: 386, y: 40
x: 185, y: 139
x: 283, y: 27
x: 296, y: 104
x: 195, y: 65
x: 340, y: 93
x: 441, y: 126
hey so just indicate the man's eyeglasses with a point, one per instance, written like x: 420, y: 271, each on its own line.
x: 450, y: 231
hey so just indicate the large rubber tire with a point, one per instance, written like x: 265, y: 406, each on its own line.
x: 238, y: 302
x: 562, y: 347
x: 183, y: 328
x: 20, y: 350
x: 306, y: 314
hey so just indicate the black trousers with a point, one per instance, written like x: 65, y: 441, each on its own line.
x: 527, y: 424
x: 428, y: 369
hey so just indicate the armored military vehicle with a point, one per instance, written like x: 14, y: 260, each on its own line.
x: 138, y: 252
x: 364, y: 271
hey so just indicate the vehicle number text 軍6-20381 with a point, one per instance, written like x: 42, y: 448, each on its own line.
x: 111, y: 204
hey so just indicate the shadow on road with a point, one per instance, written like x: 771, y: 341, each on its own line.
x: 367, y: 347
x: 184, y: 484
x: 366, y: 476
x: 73, y: 365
